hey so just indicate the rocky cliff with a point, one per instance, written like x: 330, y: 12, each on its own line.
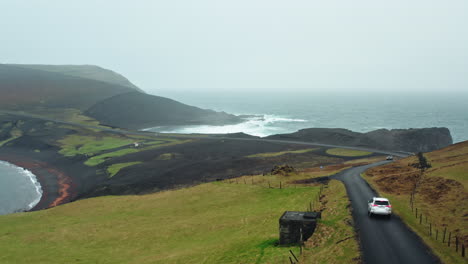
x: 408, y: 140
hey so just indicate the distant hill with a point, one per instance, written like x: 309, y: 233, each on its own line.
x: 408, y: 140
x: 137, y: 110
x: 103, y: 94
x: 84, y: 71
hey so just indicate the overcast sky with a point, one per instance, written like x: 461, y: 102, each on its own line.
x: 247, y: 45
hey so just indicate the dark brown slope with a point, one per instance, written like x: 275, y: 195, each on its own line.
x: 408, y: 140
x: 136, y: 110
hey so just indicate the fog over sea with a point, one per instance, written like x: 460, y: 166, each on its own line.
x: 288, y: 112
x: 19, y: 189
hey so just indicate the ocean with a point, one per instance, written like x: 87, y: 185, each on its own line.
x: 280, y: 112
x: 19, y: 189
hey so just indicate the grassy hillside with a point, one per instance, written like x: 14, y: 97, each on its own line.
x: 84, y: 71
x: 221, y: 222
x: 441, y: 197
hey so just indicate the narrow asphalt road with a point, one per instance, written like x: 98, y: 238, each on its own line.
x: 383, y: 241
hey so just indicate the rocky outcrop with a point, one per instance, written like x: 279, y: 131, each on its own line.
x: 407, y: 140
x: 282, y: 170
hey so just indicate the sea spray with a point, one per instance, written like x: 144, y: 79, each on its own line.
x: 255, y: 125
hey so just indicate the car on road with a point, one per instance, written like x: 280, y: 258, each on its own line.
x: 379, y: 206
x: 389, y: 157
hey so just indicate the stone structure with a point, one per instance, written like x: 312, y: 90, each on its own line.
x: 296, y: 227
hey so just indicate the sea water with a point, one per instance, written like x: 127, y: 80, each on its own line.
x: 19, y: 189
x: 283, y: 112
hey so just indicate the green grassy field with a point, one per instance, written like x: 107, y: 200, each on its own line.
x: 100, y: 146
x: 221, y: 222
x: 209, y: 223
x: 275, y: 154
x: 87, y: 144
x: 347, y: 152
x: 115, y: 168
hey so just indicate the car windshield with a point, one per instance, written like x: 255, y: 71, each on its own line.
x: 381, y: 202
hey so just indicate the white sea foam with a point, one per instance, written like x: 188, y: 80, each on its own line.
x: 37, y: 186
x: 256, y: 125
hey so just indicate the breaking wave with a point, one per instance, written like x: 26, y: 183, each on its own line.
x: 256, y: 125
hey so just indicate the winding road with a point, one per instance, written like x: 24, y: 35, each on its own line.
x: 383, y: 241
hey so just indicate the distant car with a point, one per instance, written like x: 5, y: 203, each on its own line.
x: 390, y: 157
x: 379, y: 206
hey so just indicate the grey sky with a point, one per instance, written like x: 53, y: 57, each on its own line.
x: 247, y: 45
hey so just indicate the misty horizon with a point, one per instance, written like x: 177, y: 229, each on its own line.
x: 262, y: 46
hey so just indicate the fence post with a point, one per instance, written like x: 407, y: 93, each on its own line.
x: 416, y: 213
x: 456, y: 243
x: 450, y: 236
x: 290, y: 260
x: 269, y: 184
x: 430, y: 229
x: 301, y: 237
x: 445, y: 231
x: 292, y: 253
x: 463, y: 250
x: 437, y: 233
x: 245, y: 181
x: 420, y: 218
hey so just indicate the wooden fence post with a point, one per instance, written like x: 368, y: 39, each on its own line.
x: 420, y: 218
x: 463, y: 250
x: 290, y: 260
x: 456, y: 243
x: 430, y: 229
x: 437, y: 233
x: 450, y: 236
x: 445, y: 231
x: 292, y: 253
x: 416, y: 213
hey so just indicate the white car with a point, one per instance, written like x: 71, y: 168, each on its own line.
x: 390, y: 157
x: 379, y: 206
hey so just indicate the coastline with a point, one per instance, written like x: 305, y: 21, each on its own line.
x: 57, y: 188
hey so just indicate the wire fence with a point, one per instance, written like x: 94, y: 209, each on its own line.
x: 444, y: 236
